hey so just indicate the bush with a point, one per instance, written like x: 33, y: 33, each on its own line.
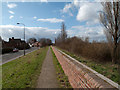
x: 7, y: 50
x: 98, y: 51
x: 21, y: 47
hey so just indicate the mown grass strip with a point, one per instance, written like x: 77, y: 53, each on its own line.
x: 24, y: 71
x: 62, y: 78
x: 107, y: 69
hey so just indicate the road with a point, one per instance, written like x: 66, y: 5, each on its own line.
x: 11, y: 56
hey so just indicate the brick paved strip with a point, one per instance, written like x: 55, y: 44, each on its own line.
x: 81, y: 76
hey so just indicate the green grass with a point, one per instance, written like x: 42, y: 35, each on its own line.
x: 24, y: 71
x: 62, y: 78
x: 107, y: 69
x: 0, y: 77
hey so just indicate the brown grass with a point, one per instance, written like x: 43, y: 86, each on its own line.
x: 98, y: 51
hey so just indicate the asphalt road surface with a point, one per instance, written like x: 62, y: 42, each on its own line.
x: 11, y: 56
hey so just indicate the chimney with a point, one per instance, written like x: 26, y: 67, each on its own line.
x: 13, y: 38
x: 9, y: 39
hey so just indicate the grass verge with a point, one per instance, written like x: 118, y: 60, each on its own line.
x: 24, y: 71
x: 107, y: 69
x: 62, y: 78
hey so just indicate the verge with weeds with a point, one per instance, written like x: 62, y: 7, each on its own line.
x: 62, y: 78
x: 24, y: 71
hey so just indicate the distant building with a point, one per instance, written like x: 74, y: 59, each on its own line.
x: 0, y: 42
x: 14, y: 43
x: 37, y: 44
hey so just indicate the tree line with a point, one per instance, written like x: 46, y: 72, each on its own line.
x: 42, y: 41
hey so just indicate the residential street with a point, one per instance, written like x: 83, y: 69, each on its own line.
x: 9, y: 56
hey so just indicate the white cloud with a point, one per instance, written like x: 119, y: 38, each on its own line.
x: 93, y: 32
x: 67, y: 8
x: 11, y: 12
x: 11, y: 17
x: 55, y: 32
x: 22, y: 0
x: 21, y: 17
x: 9, y: 31
x: 51, y: 20
x: 11, y: 5
x: 88, y: 12
x: 76, y: 3
x: 34, y: 17
x: 44, y: 1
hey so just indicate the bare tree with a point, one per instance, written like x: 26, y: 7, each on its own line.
x: 58, y: 39
x: 63, y: 32
x: 62, y: 36
x: 110, y: 19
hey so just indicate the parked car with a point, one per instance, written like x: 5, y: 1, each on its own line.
x: 15, y: 50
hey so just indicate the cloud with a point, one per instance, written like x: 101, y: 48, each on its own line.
x: 11, y: 5
x: 21, y: 17
x: 93, y: 32
x: 11, y: 17
x: 76, y: 3
x: 67, y: 8
x: 34, y: 17
x: 89, y: 12
x: 37, y: 32
x: 22, y: 0
x: 44, y: 1
x: 51, y: 20
x: 11, y: 12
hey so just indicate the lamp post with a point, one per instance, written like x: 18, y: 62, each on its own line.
x: 24, y: 36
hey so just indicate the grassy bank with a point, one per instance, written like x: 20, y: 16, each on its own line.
x: 107, y: 69
x: 24, y: 71
x: 62, y: 78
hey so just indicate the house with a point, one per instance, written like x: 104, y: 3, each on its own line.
x: 14, y: 43
x: 37, y: 44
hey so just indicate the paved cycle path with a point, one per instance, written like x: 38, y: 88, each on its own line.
x: 48, y: 78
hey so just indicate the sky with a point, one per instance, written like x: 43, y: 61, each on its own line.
x: 43, y: 19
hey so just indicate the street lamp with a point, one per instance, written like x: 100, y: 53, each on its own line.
x: 24, y: 36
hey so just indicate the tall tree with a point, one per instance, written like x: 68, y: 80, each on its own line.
x: 110, y: 19
x: 63, y: 32
x: 62, y: 36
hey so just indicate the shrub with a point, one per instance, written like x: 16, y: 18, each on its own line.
x: 98, y: 51
x: 7, y: 50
